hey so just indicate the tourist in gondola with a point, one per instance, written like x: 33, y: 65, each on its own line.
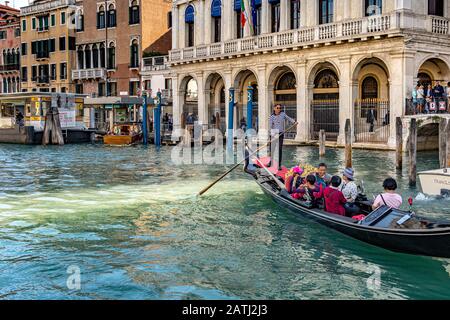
x: 294, y: 181
x: 350, y: 191
x: 310, y: 191
x: 322, y: 176
x: 334, y: 198
x: 277, y: 126
x: 389, y: 198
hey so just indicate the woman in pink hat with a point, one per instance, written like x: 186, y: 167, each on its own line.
x: 294, y: 181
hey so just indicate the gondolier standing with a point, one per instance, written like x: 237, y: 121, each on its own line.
x: 276, y: 126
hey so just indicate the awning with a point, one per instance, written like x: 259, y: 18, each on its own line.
x: 116, y: 101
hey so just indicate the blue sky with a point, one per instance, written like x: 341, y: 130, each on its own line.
x: 17, y: 3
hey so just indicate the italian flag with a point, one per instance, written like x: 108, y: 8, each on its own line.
x: 243, y: 17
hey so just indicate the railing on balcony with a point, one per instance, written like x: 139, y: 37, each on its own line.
x: 378, y: 25
x: 39, y: 7
x: 42, y: 54
x: 9, y: 67
x: 42, y: 29
x: 43, y: 79
x: 85, y: 74
x: 155, y: 63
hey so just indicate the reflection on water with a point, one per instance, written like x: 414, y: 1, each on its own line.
x: 133, y: 224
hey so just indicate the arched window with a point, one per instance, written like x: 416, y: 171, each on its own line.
x: 101, y: 18
x: 295, y: 14
x: 134, y: 54
x: 326, y: 11
x: 216, y: 14
x: 326, y: 85
x: 134, y: 12
x: 275, y: 15
x: 111, y: 16
x: 191, y: 90
x: 17, y: 57
x: 80, y: 55
x: 87, y: 57
x: 102, y: 56
x: 80, y: 21
x: 373, y: 7
x: 94, y: 56
x: 436, y: 7
x: 112, y: 56
x: 189, y: 19
x: 369, y: 88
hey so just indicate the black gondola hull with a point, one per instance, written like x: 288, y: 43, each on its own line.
x: 427, y: 242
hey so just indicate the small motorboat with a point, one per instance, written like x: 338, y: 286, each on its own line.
x: 123, y: 134
x: 435, y: 182
x: 388, y: 228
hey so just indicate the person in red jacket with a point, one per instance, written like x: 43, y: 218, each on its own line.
x: 334, y: 198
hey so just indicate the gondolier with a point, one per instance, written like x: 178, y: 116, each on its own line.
x: 276, y: 126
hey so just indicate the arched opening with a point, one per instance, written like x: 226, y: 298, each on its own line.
x: 325, y: 103
x: 87, y: 57
x: 283, y: 91
x: 111, y: 16
x: 189, y: 88
x: 433, y: 75
x: 101, y: 19
x: 242, y: 82
x: 94, y: 56
x: 134, y: 54
x: 80, y: 57
x: 215, y: 86
x: 372, y: 104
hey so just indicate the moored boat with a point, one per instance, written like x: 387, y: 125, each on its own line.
x: 385, y: 227
x: 435, y: 182
x: 123, y: 135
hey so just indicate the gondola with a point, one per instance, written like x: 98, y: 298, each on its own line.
x: 378, y: 228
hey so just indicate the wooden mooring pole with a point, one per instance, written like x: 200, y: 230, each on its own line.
x: 399, y: 142
x: 413, y: 153
x: 322, y: 139
x: 348, y: 144
x: 448, y: 143
x: 444, y: 127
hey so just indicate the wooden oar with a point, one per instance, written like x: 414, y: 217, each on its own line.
x: 237, y: 165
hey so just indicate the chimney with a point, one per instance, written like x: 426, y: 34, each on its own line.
x: 7, y: 3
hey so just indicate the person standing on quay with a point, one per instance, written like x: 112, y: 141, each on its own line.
x: 277, y: 126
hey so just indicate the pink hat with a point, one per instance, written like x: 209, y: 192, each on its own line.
x: 298, y: 170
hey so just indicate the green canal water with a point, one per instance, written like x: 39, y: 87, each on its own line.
x: 131, y: 222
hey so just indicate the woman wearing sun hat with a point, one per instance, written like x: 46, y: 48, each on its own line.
x: 350, y: 191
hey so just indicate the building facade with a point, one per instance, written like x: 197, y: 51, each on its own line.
x: 324, y: 61
x: 48, y: 46
x: 10, y: 50
x: 111, y: 37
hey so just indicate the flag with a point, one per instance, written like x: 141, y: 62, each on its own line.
x: 254, y: 16
x: 243, y: 18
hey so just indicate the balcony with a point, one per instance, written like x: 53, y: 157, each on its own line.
x: 42, y: 29
x: 9, y: 68
x: 157, y: 63
x: 167, y: 95
x: 375, y: 27
x: 86, y: 74
x: 47, y: 6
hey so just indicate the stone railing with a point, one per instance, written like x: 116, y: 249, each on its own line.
x: 382, y: 24
x: 39, y: 7
x: 362, y: 28
x: 85, y: 74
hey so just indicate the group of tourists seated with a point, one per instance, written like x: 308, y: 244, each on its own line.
x: 336, y: 194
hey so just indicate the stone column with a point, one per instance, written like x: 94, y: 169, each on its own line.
x: 345, y: 97
x: 202, y: 108
x: 207, y: 22
x: 403, y: 4
x: 228, y: 84
x: 181, y: 27
x: 263, y: 103
x: 200, y: 23
x: 227, y: 20
x: 303, y: 13
x: 285, y: 17
x: 177, y: 103
x: 303, y: 114
x: 265, y: 17
x: 400, y: 86
x: 175, y: 27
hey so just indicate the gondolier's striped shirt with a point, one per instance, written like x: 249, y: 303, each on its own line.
x: 277, y: 122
